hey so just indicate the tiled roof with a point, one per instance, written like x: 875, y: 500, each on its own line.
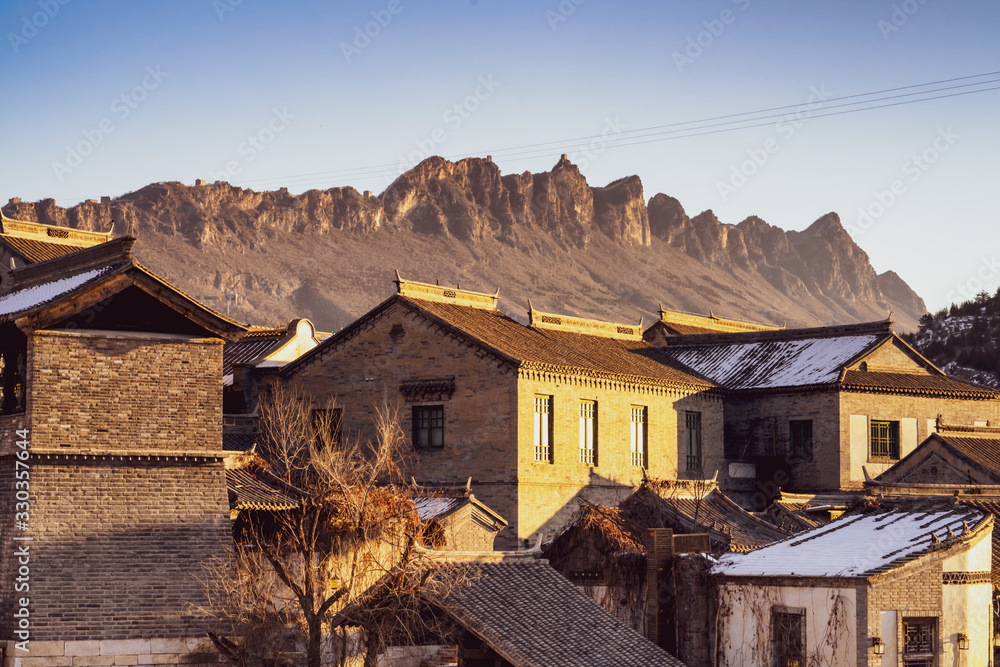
x: 29, y: 298
x: 862, y: 544
x: 257, y: 491
x: 251, y: 346
x: 548, y: 349
x: 716, y: 513
x: 34, y: 250
x: 533, y: 617
x: 983, y: 451
x: 907, y: 383
x: 772, y: 364
x: 432, y: 508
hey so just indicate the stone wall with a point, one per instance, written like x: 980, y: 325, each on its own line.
x: 188, y: 651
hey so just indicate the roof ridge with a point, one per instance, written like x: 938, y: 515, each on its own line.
x: 806, y: 333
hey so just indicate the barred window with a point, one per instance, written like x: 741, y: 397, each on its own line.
x: 638, y: 439
x: 428, y: 426
x: 884, y: 443
x: 13, y: 358
x: 543, y: 428
x: 692, y: 422
x: 788, y: 638
x: 588, y: 432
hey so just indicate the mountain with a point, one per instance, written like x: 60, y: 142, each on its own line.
x: 601, y: 252
x: 964, y: 340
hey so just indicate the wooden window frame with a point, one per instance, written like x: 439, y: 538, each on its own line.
x: 883, y: 446
x: 427, y: 420
x: 588, y: 432
x: 543, y: 431
x: 639, y: 435
x: 692, y: 441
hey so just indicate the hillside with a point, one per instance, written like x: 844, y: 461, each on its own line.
x: 594, y: 251
x: 964, y: 340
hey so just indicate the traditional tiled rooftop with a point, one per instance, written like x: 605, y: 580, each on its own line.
x: 774, y: 364
x: 861, y: 544
x: 533, y: 617
x: 907, y: 383
x: 257, y: 490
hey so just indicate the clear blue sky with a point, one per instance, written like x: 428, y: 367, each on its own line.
x: 103, y: 97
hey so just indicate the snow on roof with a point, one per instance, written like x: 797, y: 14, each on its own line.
x: 30, y: 297
x: 430, y: 508
x: 774, y: 363
x: 857, y: 545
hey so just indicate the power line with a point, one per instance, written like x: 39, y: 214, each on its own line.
x: 374, y: 171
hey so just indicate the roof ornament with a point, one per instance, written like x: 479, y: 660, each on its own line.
x: 934, y: 539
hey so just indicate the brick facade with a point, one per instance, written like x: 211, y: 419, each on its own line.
x: 128, y: 492
x: 488, y: 428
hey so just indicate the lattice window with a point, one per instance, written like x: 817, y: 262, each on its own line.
x: 692, y: 422
x: 884, y: 443
x: 638, y: 435
x: 588, y: 432
x: 919, y: 641
x: 788, y: 638
x: 428, y: 426
x: 543, y: 429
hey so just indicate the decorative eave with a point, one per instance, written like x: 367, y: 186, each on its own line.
x: 944, y: 429
x: 572, y: 371
x: 580, y: 325
x: 128, y: 454
x: 864, y: 328
x: 131, y: 273
x: 52, y: 233
x: 453, y: 295
x: 720, y: 324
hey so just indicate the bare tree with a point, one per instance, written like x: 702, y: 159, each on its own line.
x: 343, y: 558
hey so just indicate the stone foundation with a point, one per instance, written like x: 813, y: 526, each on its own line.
x: 111, y: 652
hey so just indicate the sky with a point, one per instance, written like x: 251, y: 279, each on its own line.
x: 104, y: 97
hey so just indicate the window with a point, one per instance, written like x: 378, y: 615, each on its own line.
x: 428, y: 426
x: 692, y: 422
x: 884, y: 442
x: 639, y: 435
x: 788, y: 638
x: 543, y: 429
x: 327, y: 426
x: 801, y: 435
x: 918, y: 641
x: 12, y: 373
x: 588, y: 432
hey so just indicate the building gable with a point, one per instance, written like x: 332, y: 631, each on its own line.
x: 893, y: 355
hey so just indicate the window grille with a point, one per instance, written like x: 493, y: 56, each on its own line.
x: 543, y: 429
x: 638, y: 435
x: 588, y: 432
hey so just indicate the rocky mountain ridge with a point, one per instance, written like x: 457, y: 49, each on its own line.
x: 594, y: 251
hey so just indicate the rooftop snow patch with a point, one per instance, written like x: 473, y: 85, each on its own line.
x: 36, y: 295
x: 856, y: 545
x: 772, y: 364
